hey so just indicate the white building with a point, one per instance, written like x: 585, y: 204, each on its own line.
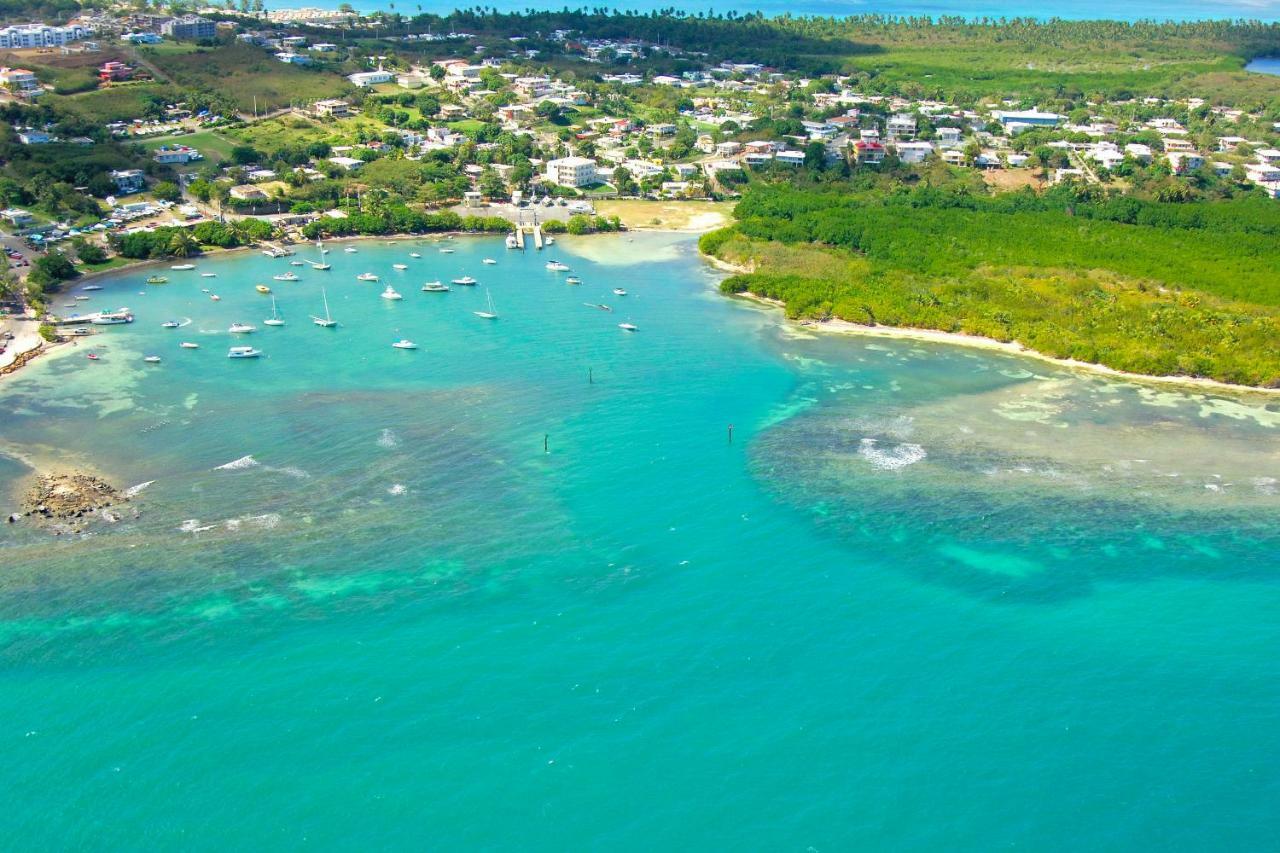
x: 571, y: 171
x: 365, y: 79
x: 39, y: 35
x: 913, y: 152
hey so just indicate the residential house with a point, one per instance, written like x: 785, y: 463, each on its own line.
x: 868, y: 152
x: 247, y: 192
x: 128, y: 180
x: 17, y: 217
x: 1184, y: 161
x: 30, y: 136
x: 365, y: 79
x: 913, y: 152
x: 331, y: 108
x: 114, y: 72
x: 176, y: 155
x: 1016, y: 121
x: 949, y: 137
x: 20, y: 82
x: 790, y: 158
x: 900, y: 126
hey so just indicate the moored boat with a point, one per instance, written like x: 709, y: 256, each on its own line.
x: 405, y: 343
x: 390, y: 293
x: 243, y: 352
x: 435, y: 287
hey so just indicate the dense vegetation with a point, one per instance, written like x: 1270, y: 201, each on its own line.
x: 1136, y: 285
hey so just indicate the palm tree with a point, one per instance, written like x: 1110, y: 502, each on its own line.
x: 183, y: 245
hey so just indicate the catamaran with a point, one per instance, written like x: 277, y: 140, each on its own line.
x: 326, y: 321
x: 274, y: 319
x: 492, y: 313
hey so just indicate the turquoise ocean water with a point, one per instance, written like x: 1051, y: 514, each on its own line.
x: 928, y: 598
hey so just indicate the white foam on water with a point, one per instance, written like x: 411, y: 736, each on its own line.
x: 290, y: 471
x: 193, y: 525
x: 892, y: 458
x: 1265, y: 485
x: 388, y: 438
x: 397, y: 489
x: 238, y: 464
x: 135, y: 490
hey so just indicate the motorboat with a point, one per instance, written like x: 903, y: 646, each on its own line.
x: 286, y: 276
x: 215, y: 297
x: 573, y: 279
x: 296, y: 263
x: 151, y: 359
x: 262, y: 288
x: 189, y: 345
x: 435, y: 287
x: 404, y: 343
x: 351, y: 250
x: 92, y: 287
x: 325, y: 322
x: 627, y: 327
x: 399, y: 266
x: 83, y: 298
x: 205, y: 290
x: 208, y: 275
x: 93, y: 356
x: 465, y: 281
x: 390, y: 293
x: 489, y: 261
x: 170, y: 324
x: 618, y: 291
x: 446, y: 251
x: 274, y: 319
x: 157, y: 279
x: 556, y: 266
x: 243, y: 352
x: 415, y: 255
x: 242, y: 329
x: 549, y: 240
x: 81, y: 332
x: 183, y: 267
x: 366, y: 276
x: 512, y: 243
x: 113, y: 318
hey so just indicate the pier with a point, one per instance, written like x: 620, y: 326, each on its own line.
x: 537, y: 236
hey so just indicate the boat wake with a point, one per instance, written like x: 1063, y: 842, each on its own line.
x: 137, y: 490
x: 388, y: 438
x: 238, y: 464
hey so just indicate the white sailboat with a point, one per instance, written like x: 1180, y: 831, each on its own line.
x: 274, y: 319
x: 326, y: 321
x: 492, y: 313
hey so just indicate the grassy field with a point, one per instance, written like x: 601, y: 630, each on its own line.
x: 272, y: 134
x: 246, y: 76
x: 638, y: 214
x: 118, y: 103
x: 213, y: 145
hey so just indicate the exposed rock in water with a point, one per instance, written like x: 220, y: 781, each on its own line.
x: 71, y: 499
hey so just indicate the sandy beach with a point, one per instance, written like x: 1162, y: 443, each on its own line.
x: 845, y: 327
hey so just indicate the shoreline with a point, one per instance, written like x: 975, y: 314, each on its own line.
x: 845, y: 327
